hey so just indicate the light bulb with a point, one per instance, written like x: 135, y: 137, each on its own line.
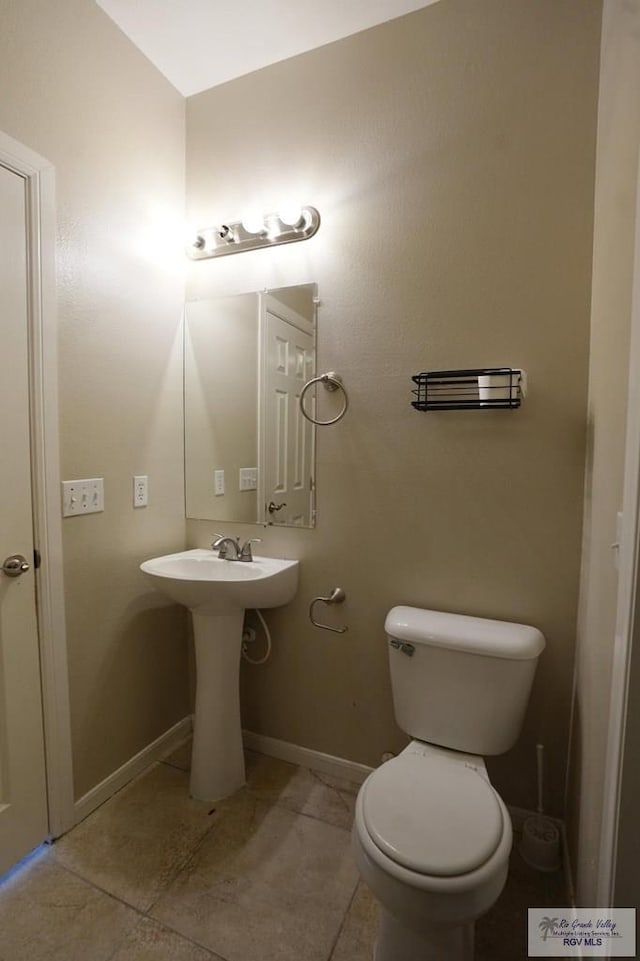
x: 291, y: 215
x: 253, y: 222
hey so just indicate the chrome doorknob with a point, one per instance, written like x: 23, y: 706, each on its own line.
x: 273, y: 507
x: 15, y: 565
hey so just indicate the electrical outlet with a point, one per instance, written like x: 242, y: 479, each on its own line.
x: 140, y: 490
x: 82, y: 496
x: 218, y: 482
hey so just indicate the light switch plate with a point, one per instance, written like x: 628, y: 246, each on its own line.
x: 218, y: 482
x: 248, y: 480
x: 82, y: 496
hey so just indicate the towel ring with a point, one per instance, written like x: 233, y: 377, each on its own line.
x: 331, y: 381
x: 337, y: 596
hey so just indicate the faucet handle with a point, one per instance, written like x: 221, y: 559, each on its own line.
x: 245, y: 553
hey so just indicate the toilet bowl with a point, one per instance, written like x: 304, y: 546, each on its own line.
x: 431, y: 836
x: 432, y: 839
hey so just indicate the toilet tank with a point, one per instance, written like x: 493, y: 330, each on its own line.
x: 461, y: 682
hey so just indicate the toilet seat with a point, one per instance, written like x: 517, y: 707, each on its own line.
x: 434, y: 816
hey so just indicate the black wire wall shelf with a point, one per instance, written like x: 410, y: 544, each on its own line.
x: 483, y: 388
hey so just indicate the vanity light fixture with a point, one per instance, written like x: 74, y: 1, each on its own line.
x: 284, y: 227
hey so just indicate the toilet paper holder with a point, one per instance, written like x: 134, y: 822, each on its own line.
x: 337, y: 596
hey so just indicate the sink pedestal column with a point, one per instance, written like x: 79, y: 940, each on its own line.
x: 217, y: 762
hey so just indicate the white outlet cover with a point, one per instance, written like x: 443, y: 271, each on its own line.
x: 140, y: 490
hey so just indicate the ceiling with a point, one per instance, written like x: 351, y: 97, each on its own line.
x: 198, y: 44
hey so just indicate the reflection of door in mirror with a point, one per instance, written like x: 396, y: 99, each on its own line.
x: 241, y: 352
x: 286, y: 437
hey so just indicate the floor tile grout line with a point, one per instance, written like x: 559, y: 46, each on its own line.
x: 183, y: 867
x: 122, y: 942
x: 320, y: 776
x: 143, y: 912
x: 98, y: 887
x: 176, y: 767
x: 141, y: 915
x: 174, y: 874
x: 344, y: 921
x: 331, y: 788
x: 175, y: 871
x: 187, y: 938
x: 278, y: 802
x: 305, y: 814
x: 316, y: 775
x: 256, y: 800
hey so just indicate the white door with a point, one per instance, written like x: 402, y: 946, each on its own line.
x: 23, y: 798
x: 287, y: 442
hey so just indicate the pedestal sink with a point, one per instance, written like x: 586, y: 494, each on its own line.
x: 217, y: 592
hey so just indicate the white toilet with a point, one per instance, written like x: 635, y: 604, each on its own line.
x: 431, y: 835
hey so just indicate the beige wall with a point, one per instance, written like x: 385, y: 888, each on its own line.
x: 451, y: 155
x: 75, y: 90
x: 615, y: 200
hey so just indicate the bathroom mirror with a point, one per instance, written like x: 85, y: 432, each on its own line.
x: 249, y: 451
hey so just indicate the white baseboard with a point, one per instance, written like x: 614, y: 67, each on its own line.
x: 131, y: 768
x: 305, y: 757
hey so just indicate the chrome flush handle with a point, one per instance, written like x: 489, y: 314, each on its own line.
x: 404, y: 646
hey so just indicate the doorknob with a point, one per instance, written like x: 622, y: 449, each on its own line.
x: 15, y: 565
x: 272, y: 508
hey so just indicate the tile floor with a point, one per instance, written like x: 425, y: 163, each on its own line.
x: 266, y: 875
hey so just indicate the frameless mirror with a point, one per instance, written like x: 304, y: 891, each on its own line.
x: 249, y: 451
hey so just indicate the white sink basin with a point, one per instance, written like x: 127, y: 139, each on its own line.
x: 207, y: 585
x: 217, y: 593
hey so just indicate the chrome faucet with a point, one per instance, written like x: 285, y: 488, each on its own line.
x: 229, y: 549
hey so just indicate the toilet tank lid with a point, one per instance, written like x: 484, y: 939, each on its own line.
x: 473, y: 635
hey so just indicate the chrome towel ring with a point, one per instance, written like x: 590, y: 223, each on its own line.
x: 336, y: 596
x: 331, y: 382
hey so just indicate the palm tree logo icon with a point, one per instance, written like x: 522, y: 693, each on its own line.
x: 548, y: 926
